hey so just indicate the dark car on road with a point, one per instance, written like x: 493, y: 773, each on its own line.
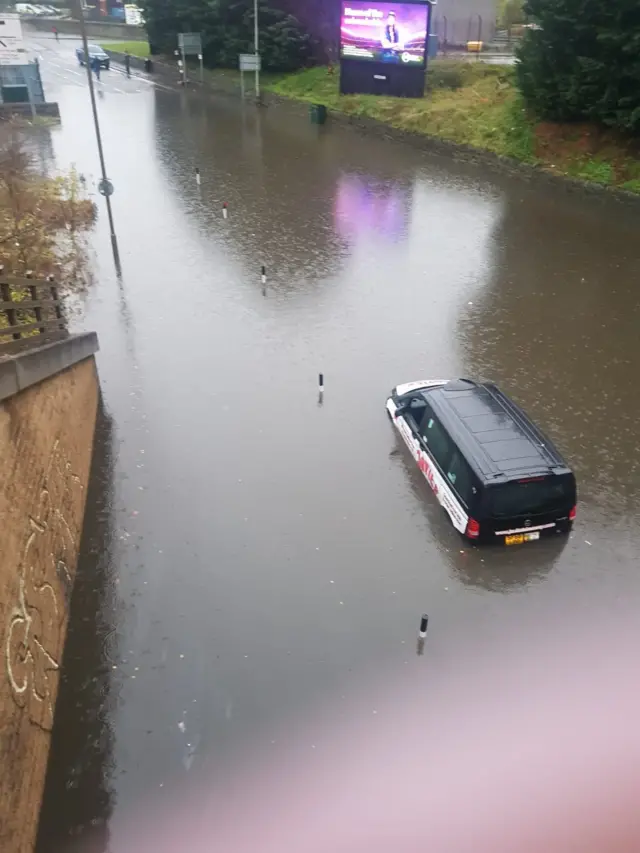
x: 95, y: 51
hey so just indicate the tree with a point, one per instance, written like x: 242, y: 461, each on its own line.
x: 226, y: 27
x: 42, y: 219
x: 511, y: 12
x: 582, y: 61
x: 514, y: 13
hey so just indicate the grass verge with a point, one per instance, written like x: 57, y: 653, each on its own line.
x: 478, y: 104
x: 135, y: 48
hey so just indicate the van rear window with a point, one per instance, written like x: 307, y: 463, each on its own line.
x: 532, y: 497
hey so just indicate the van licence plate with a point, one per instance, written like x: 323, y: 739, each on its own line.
x: 520, y: 538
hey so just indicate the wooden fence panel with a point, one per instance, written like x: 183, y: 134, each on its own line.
x: 30, y: 314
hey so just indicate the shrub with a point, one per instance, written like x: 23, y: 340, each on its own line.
x: 583, y: 61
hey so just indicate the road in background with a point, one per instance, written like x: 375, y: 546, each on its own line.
x: 250, y: 555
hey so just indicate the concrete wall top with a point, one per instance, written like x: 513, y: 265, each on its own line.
x: 20, y: 371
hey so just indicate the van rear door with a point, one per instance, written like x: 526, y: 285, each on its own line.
x: 544, y: 503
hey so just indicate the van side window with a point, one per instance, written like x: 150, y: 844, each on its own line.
x: 460, y: 476
x: 417, y: 405
x: 432, y: 433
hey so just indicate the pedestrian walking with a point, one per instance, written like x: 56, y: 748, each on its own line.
x: 95, y: 66
x: 54, y: 30
x: 127, y: 63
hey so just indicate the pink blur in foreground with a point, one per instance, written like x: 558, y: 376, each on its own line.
x: 531, y: 750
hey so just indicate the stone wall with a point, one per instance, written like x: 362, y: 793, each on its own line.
x: 46, y: 438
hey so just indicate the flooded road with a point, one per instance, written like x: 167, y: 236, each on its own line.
x: 250, y: 555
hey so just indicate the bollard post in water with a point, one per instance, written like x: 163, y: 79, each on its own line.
x: 424, y: 621
x: 320, y: 388
x: 225, y: 212
x: 197, y: 176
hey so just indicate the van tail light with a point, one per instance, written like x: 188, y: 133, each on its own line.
x: 473, y: 529
x: 573, y: 513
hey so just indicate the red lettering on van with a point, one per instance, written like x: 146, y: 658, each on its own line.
x: 427, y: 470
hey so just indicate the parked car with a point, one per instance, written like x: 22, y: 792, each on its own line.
x: 28, y: 9
x: 94, y: 51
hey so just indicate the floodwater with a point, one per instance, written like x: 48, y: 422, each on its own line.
x: 250, y: 555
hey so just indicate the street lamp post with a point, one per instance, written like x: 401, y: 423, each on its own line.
x: 256, y: 45
x: 105, y: 180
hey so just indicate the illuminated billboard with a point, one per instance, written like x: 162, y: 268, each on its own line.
x: 393, y: 33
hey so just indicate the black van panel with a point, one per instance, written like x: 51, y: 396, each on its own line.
x: 528, y: 499
x: 505, y: 473
x: 496, y: 437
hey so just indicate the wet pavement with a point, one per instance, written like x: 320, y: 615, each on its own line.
x: 250, y: 555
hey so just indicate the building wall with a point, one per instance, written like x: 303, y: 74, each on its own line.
x: 26, y: 75
x: 460, y: 21
x: 95, y: 29
x: 46, y: 438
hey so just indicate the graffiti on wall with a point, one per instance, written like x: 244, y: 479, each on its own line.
x: 35, y: 635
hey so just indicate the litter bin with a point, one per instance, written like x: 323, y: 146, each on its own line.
x: 318, y: 113
x: 148, y: 65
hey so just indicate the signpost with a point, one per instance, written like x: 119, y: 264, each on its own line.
x: 105, y: 187
x: 250, y: 62
x: 256, y: 46
x: 190, y: 44
x: 133, y: 16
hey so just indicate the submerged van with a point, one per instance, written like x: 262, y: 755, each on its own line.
x: 497, y: 476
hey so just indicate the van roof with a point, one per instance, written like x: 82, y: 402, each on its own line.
x: 497, y: 438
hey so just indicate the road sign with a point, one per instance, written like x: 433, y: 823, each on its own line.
x: 250, y: 62
x: 190, y: 43
x: 133, y: 16
x: 105, y: 187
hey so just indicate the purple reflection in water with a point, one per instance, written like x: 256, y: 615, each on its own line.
x: 364, y: 206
